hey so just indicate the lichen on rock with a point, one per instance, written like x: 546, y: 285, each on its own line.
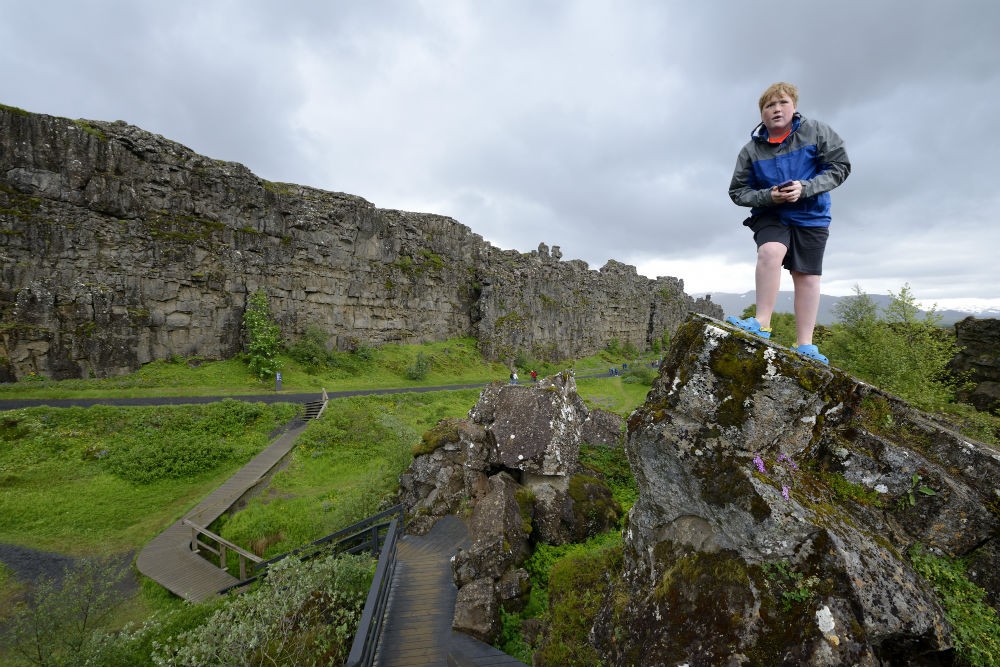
x: 773, y: 519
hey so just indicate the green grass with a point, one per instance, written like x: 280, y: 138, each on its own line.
x: 344, y: 467
x: 75, y: 480
x: 452, y: 362
x: 610, y: 393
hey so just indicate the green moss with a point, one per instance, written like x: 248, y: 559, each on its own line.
x: 182, y: 228
x: 876, y: 415
x: 810, y: 377
x: 14, y: 110
x: 525, y: 498
x: 724, y: 481
x: 846, y: 490
x: 705, y: 600
x: 740, y: 370
x: 594, y: 507
x: 975, y: 624
x: 668, y: 295
x: 578, y: 586
x: 86, y: 329
x: 432, y: 259
x: 279, y: 188
x: 20, y: 206
x: 444, y: 431
x: 91, y: 130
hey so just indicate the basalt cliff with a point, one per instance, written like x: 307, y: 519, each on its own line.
x: 119, y: 247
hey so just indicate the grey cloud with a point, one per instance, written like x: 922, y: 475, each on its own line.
x: 610, y: 130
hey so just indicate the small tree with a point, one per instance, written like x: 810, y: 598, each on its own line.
x: 263, y: 336
x: 902, y: 352
x: 55, y: 622
x: 420, y: 367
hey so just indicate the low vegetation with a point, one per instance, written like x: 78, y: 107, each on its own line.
x: 975, y: 625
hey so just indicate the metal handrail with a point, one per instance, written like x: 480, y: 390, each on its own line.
x: 369, y: 630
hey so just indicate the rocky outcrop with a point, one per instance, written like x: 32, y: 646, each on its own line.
x: 119, y: 247
x: 511, y: 469
x: 980, y: 358
x: 778, y: 501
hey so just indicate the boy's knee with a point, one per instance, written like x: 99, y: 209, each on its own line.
x: 771, y: 252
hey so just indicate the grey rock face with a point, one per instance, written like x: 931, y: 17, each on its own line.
x: 774, y: 515
x: 119, y: 247
x: 981, y: 358
x: 511, y: 469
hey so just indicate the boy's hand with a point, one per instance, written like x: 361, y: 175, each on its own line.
x: 786, y: 193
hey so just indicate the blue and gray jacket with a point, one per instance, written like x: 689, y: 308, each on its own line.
x: 812, y: 154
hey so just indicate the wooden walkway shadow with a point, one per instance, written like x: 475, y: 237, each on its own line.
x: 417, y: 628
x: 168, y: 558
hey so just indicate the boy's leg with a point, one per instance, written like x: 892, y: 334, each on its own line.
x: 807, y: 295
x: 767, y: 279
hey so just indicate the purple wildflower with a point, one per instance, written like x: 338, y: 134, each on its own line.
x: 759, y: 462
x: 784, y: 492
x: 787, y: 460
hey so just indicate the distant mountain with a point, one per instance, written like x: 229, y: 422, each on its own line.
x: 734, y: 304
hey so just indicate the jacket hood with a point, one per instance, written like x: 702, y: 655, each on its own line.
x: 759, y: 133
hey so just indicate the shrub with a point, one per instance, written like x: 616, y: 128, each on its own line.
x: 263, y: 337
x: 302, y: 613
x: 640, y: 374
x: 311, y: 350
x: 54, y: 624
x: 899, y: 352
x: 420, y: 367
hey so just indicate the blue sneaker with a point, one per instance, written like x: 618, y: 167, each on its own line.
x: 750, y: 324
x: 810, y: 351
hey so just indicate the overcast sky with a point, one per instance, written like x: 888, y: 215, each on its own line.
x: 609, y: 129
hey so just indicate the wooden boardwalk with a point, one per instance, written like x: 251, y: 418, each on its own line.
x: 417, y: 630
x: 168, y: 558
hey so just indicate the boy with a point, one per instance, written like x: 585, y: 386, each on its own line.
x: 785, y: 174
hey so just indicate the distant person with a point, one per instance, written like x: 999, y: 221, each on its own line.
x: 785, y: 174
x: 534, y: 376
x: 513, y: 377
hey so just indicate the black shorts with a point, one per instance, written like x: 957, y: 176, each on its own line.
x: 806, y: 245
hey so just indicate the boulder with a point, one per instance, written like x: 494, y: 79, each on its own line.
x: 476, y: 610
x: 511, y: 469
x: 778, y: 499
x: 603, y: 428
x: 980, y: 358
x: 533, y: 429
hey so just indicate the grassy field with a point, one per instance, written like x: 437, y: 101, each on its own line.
x: 105, y: 479
x: 452, y: 362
